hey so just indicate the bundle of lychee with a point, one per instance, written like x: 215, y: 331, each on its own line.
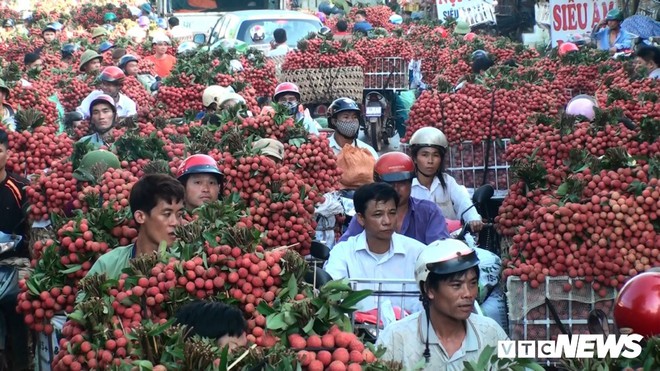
x: 52, y: 191
x: 36, y: 149
x: 583, y: 207
x: 280, y: 126
x: 371, y: 49
x: 378, y: 16
x: 178, y: 99
x: 140, y: 95
x: 46, y: 291
x: 112, y: 189
x: 36, y: 97
x: 315, y: 161
x: 636, y: 95
x: 73, y: 91
x: 317, y: 53
x: 336, y: 350
x: 280, y: 203
x: 260, y: 73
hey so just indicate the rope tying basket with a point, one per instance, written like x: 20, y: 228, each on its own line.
x: 323, y: 85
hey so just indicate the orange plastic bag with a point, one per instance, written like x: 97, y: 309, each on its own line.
x: 357, y: 166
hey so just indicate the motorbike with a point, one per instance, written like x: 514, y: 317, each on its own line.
x: 491, y: 297
x: 9, y: 290
x: 383, y: 80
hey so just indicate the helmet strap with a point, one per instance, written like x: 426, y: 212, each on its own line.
x: 426, y: 304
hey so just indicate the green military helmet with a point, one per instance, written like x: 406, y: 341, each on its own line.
x: 84, y: 170
x: 88, y: 56
x: 462, y: 28
x: 99, y: 31
x: 4, y: 88
x: 109, y: 17
x: 614, y: 15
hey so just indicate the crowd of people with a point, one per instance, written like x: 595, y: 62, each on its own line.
x: 400, y: 229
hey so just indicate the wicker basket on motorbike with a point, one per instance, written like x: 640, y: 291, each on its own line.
x: 322, y: 85
x: 531, y: 315
x: 387, y: 73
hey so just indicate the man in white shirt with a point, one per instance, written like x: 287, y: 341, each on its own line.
x: 344, y: 119
x: 177, y: 32
x: 448, y: 332
x: 112, y: 79
x: 378, y: 252
x: 280, y: 47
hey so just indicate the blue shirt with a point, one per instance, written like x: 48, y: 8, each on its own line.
x: 362, y: 26
x: 623, y: 40
x: 423, y: 222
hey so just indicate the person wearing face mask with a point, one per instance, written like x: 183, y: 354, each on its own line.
x: 288, y: 95
x: 33, y: 65
x: 112, y: 80
x: 344, y: 118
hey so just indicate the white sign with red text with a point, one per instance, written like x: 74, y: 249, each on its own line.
x: 576, y: 17
x: 473, y: 12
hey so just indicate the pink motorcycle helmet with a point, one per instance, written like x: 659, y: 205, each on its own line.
x: 582, y: 105
x: 143, y: 21
x: 321, y: 16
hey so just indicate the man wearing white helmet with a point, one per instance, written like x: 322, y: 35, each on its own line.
x: 448, y: 332
x: 163, y: 61
x: 211, y: 100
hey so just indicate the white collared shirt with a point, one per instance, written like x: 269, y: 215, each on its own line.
x: 454, y: 198
x: 280, y: 50
x: 352, y: 259
x: 405, y: 341
x: 357, y: 143
x: 125, y: 106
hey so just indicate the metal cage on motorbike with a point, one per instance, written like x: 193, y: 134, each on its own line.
x: 385, y: 290
x: 386, y: 73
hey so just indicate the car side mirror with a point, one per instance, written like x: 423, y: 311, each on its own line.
x: 199, y: 38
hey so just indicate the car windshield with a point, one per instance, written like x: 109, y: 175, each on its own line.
x: 195, y: 6
x: 296, y: 29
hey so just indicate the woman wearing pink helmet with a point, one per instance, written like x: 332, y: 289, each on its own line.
x: 288, y: 95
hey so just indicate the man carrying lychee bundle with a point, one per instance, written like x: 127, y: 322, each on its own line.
x: 156, y: 201
x: 378, y: 252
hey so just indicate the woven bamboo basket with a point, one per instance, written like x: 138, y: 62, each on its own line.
x: 323, y: 85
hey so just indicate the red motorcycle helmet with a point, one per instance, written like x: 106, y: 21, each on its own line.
x: 198, y: 164
x: 284, y: 88
x: 469, y: 36
x: 395, y: 167
x: 637, y: 306
x: 566, y: 48
x: 112, y: 74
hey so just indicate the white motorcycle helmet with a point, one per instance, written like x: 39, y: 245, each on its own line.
x: 444, y: 257
x: 257, y: 33
x: 214, y: 94
x: 429, y: 137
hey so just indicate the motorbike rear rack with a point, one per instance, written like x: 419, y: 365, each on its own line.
x: 386, y: 73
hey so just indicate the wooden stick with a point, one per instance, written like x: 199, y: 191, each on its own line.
x: 241, y: 357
